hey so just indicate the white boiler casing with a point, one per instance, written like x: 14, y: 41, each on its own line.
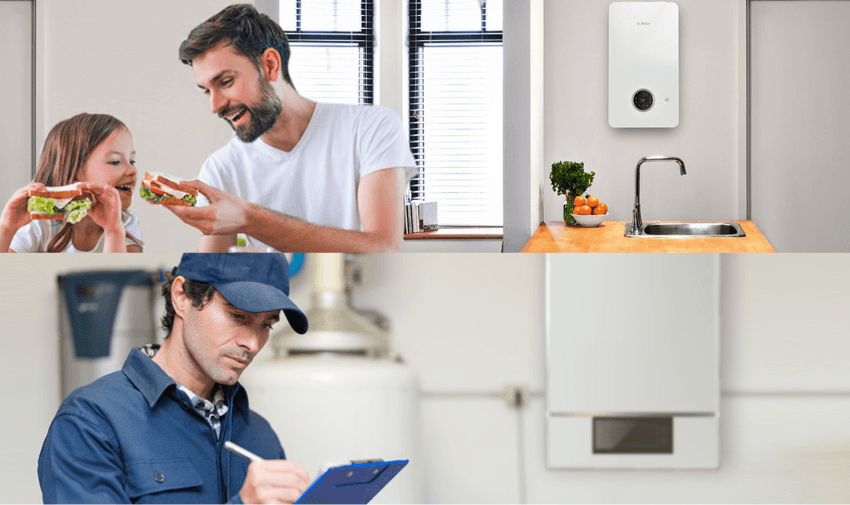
x: 332, y: 409
x: 633, y: 383
x: 643, y: 64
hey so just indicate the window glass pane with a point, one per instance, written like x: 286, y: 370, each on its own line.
x: 287, y: 15
x: 462, y: 110
x: 322, y: 15
x: 494, y: 15
x: 326, y: 74
x: 451, y: 16
x: 331, y: 15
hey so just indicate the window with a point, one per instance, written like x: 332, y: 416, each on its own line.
x: 332, y: 45
x: 455, y: 102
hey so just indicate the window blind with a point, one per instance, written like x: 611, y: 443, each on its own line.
x: 332, y: 43
x: 455, y: 101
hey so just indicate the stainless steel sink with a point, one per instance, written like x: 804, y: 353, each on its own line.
x: 685, y: 230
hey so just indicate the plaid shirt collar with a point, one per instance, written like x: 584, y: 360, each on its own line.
x: 212, y: 411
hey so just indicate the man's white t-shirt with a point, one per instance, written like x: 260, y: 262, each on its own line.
x: 34, y: 236
x: 317, y: 180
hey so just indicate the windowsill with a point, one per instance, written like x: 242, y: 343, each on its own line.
x: 458, y: 233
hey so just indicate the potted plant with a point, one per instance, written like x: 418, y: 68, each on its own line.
x: 569, y: 179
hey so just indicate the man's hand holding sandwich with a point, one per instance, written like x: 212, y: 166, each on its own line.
x: 227, y: 215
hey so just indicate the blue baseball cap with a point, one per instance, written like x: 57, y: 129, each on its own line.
x: 253, y: 282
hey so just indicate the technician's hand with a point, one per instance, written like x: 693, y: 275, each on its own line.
x: 15, y: 213
x: 226, y: 214
x: 106, y: 207
x: 274, y: 481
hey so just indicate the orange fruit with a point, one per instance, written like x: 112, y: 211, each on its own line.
x: 602, y: 208
x: 579, y: 201
x: 592, y: 201
x: 585, y: 210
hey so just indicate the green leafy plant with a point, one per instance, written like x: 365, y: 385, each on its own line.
x: 569, y: 178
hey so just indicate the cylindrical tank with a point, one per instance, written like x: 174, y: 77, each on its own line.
x: 134, y: 326
x: 333, y: 395
x: 329, y: 409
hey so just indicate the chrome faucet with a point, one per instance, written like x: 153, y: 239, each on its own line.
x: 637, y: 222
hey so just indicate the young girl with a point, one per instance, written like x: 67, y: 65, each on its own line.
x: 97, y: 151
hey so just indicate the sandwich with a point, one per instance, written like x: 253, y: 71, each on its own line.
x: 58, y: 202
x: 164, y: 189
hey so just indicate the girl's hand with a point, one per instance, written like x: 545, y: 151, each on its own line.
x: 15, y: 214
x: 106, y: 207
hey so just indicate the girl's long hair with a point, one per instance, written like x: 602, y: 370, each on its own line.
x: 66, y: 150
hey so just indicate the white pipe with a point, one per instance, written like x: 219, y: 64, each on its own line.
x: 328, y: 273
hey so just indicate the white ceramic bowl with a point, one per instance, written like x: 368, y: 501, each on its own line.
x: 589, y: 220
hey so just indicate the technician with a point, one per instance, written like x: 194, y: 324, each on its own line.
x: 154, y: 431
x: 299, y: 176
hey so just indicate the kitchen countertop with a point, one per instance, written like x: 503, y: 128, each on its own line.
x: 557, y: 236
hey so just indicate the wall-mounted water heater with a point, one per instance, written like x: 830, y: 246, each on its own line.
x: 643, y: 65
x: 633, y: 382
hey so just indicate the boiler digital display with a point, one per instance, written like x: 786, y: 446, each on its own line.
x: 633, y: 435
x: 643, y: 100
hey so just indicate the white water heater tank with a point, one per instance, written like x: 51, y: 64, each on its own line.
x: 333, y: 394
x: 330, y: 409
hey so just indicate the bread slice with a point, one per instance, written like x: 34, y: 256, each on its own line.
x: 168, y: 181
x: 45, y: 217
x: 176, y: 201
x: 58, y: 192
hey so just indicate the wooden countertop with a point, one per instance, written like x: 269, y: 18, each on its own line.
x: 557, y: 236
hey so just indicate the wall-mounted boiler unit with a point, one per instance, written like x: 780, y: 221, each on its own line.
x: 632, y: 362
x: 643, y: 64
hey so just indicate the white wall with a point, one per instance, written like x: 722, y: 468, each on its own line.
x: 523, y: 103
x: 473, y: 324
x: 800, y: 146
x: 16, y: 96
x: 120, y: 58
x: 576, y: 124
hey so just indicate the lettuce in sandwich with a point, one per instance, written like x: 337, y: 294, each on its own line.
x: 42, y: 205
x: 152, y: 197
x: 74, y: 210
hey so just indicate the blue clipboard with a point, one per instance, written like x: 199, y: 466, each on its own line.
x: 355, y: 483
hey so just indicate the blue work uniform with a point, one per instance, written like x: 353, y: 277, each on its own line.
x: 132, y: 436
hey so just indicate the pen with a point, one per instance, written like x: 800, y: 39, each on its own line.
x: 245, y: 453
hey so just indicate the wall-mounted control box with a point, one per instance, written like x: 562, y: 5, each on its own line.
x: 643, y: 65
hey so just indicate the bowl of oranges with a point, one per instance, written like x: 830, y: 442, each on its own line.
x: 589, y: 212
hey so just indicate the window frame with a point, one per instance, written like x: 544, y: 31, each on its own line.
x: 365, y: 39
x: 416, y: 41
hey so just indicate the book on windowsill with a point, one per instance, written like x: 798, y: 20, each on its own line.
x: 420, y: 216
